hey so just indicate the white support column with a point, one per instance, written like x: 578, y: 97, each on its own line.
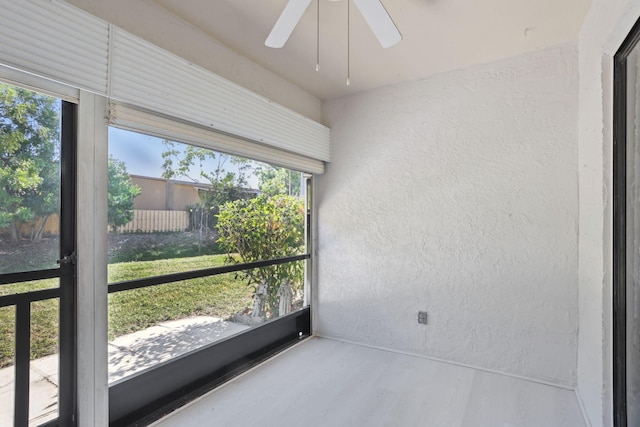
x: 93, y: 391
x: 314, y: 256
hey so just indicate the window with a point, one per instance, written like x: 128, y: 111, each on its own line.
x: 179, y: 217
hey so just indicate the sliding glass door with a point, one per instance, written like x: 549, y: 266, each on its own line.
x: 37, y: 258
x: 626, y: 257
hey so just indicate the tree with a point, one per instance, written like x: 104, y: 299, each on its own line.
x: 121, y: 193
x: 29, y: 158
x: 274, y: 180
x: 260, y: 229
x: 225, y: 186
x: 212, y: 167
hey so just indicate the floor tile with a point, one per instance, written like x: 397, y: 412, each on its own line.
x: 323, y: 382
x: 512, y: 402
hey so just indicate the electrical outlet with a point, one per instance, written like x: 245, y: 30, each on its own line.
x: 422, y: 317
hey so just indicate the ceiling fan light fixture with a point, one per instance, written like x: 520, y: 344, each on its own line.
x: 373, y: 12
x: 287, y: 21
x: 379, y: 21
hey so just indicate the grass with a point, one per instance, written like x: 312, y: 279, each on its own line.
x: 44, y: 322
x: 134, y: 310
x: 219, y: 296
x: 156, y: 246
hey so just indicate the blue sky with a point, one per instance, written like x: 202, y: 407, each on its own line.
x: 142, y: 154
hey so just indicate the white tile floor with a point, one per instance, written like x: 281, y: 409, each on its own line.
x: 322, y: 382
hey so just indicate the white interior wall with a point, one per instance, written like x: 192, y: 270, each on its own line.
x: 457, y: 195
x: 605, y: 27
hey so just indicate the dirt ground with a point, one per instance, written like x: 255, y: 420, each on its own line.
x: 25, y: 255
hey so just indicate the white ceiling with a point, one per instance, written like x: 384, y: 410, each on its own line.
x: 438, y: 35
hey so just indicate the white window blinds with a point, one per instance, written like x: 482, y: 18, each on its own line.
x: 154, y: 79
x: 54, y: 40
x: 150, y: 87
x: 131, y: 118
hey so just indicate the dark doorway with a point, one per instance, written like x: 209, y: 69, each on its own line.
x: 626, y: 236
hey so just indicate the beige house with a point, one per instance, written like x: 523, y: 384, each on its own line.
x: 162, y: 194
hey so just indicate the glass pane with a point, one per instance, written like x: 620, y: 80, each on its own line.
x: 43, y: 375
x: 35, y: 285
x: 176, y: 208
x: 154, y: 324
x: 30, y: 174
x: 29, y: 180
x: 43, y: 379
x: 633, y: 241
x: 165, y: 198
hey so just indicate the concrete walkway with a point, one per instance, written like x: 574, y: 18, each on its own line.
x: 128, y: 354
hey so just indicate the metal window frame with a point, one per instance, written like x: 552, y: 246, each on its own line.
x: 67, y: 390
x: 620, y: 226
x: 128, y: 285
x: 154, y: 392
x: 148, y: 395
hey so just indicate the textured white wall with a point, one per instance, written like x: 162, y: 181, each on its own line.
x: 605, y: 27
x: 457, y: 194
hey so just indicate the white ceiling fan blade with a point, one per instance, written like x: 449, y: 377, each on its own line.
x: 380, y: 22
x: 286, y: 23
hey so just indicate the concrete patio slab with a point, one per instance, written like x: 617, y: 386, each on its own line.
x: 43, y: 393
x: 123, y: 362
x: 47, y: 367
x: 6, y: 397
x: 128, y: 354
x: 134, y: 352
x: 43, y: 405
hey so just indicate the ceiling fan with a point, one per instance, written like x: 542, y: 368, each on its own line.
x: 372, y: 10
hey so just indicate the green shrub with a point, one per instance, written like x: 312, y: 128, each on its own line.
x: 265, y: 228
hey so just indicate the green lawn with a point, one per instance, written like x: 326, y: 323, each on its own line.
x: 131, y: 311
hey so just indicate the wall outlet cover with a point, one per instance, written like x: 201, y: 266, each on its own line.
x: 422, y: 317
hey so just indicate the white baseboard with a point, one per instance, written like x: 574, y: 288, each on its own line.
x: 463, y: 365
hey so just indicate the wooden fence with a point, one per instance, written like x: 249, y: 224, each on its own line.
x: 144, y: 221
x: 148, y: 221
x: 50, y: 228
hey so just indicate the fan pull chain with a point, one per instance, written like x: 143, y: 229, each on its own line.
x: 348, y: 42
x: 318, y: 37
